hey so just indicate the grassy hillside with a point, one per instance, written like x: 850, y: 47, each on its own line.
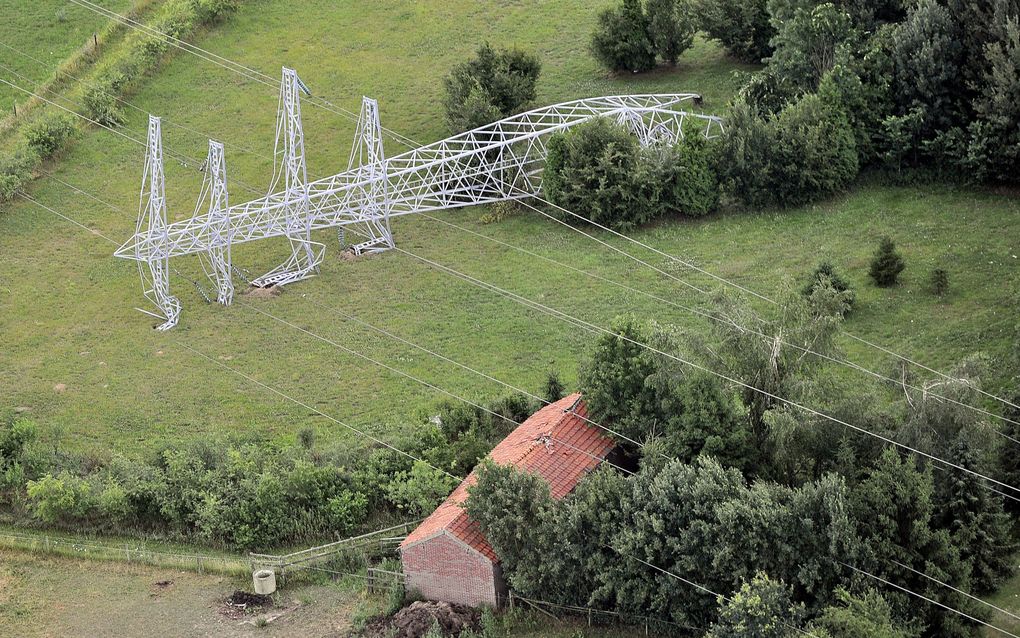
x: 66, y: 306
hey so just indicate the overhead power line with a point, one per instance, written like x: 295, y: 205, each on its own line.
x: 280, y: 393
x: 258, y: 76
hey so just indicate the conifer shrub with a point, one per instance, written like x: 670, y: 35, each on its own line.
x: 886, y: 265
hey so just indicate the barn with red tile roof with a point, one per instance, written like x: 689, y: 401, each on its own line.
x: 448, y: 558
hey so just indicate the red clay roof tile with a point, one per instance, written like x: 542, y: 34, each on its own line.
x: 555, y: 443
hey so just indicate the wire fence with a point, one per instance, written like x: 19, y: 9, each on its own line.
x: 349, y: 552
x: 650, y: 624
x: 130, y: 552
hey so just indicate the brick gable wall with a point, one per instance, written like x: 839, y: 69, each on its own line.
x: 443, y: 568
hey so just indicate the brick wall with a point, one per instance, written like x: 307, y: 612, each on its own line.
x: 442, y: 568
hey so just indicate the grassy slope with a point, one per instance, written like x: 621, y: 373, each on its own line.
x: 66, y: 314
x: 49, y: 30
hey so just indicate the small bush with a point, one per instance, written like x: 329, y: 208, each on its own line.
x: 825, y: 271
x: 939, y: 282
x: 499, y: 211
x: 50, y: 134
x: 620, y: 41
x: 886, y: 265
x: 101, y: 106
x: 306, y: 437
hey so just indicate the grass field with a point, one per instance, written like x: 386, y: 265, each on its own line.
x: 66, y: 306
x: 48, y: 30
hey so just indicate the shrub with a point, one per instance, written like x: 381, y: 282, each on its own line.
x: 742, y: 26
x: 591, y: 168
x: 671, y: 27
x: 15, y: 170
x: 113, y: 504
x: 419, y: 491
x: 805, y: 151
x: 939, y: 282
x: 494, y: 85
x: 620, y: 41
x: 60, y: 499
x: 825, y: 271
x: 50, y: 134
x: 554, y: 389
x: 886, y: 265
x: 684, y: 180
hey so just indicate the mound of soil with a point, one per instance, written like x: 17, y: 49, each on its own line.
x: 248, y: 599
x: 415, y: 620
x: 254, y: 292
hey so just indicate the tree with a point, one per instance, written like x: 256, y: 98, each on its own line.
x: 864, y: 616
x: 886, y: 265
x: 704, y: 523
x: 702, y: 418
x: 925, y: 54
x: 807, y: 40
x: 671, y: 27
x: 495, y: 84
x: 516, y: 513
x: 1008, y: 459
x: 979, y: 526
x: 765, y: 359
x: 683, y: 180
x: 620, y: 41
x: 742, y: 26
x: 761, y: 608
x: 994, y: 146
x: 893, y: 510
x: 613, y: 378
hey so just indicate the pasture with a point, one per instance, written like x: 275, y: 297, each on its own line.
x: 79, y: 360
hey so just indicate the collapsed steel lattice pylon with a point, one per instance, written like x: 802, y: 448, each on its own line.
x: 500, y: 161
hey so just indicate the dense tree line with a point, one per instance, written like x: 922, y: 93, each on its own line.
x: 910, y: 89
x: 768, y: 505
x: 248, y: 495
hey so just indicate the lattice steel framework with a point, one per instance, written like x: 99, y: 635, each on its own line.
x: 500, y: 161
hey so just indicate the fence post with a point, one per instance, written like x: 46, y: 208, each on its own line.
x: 198, y: 561
x: 47, y: 544
x: 95, y: 41
x: 371, y: 581
x: 127, y: 553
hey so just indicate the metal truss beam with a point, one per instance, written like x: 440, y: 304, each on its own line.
x: 500, y: 161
